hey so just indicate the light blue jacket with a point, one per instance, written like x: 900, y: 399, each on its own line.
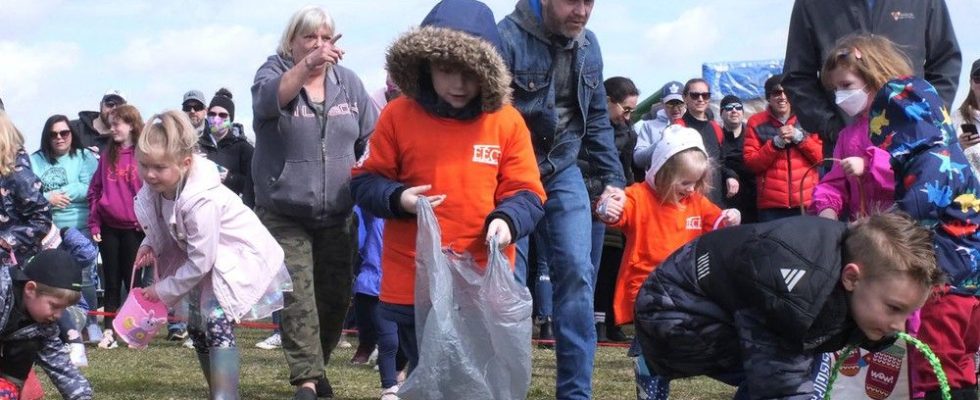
x: 71, y: 175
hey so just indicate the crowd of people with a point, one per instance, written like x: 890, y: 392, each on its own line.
x: 739, y: 247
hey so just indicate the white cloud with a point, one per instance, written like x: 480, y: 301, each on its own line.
x: 25, y: 69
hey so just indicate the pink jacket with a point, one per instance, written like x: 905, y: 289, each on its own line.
x: 213, y: 239
x: 841, y: 193
x: 110, y: 194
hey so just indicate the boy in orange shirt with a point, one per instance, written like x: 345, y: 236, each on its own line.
x: 452, y: 133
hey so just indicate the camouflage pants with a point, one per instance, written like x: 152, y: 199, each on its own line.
x: 319, y: 261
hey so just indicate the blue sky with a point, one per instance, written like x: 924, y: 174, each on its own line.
x: 58, y: 57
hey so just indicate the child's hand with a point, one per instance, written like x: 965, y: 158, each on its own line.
x: 730, y: 217
x: 97, y: 238
x: 410, y: 198
x: 144, y: 257
x: 150, y: 293
x: 611, y: 209
x: 732, y: 184
x: 499, y: 228
x: 853, y: 166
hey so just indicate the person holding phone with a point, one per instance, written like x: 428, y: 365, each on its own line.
x: 312, y: 120
x: 967, y: 117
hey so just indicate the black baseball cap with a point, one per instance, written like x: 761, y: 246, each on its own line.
x: 53, y: 267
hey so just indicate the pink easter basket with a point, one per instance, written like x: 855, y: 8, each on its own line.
x: 139, y: 319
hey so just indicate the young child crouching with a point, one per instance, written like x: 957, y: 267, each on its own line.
x: 32, y: 300
x: 752, y: 305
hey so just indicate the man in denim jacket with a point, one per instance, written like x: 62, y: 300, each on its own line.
x: 557, y: 70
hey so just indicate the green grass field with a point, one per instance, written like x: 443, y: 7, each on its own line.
x: 168, y: 371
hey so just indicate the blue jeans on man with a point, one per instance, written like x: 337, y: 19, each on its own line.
x: 567, y: 236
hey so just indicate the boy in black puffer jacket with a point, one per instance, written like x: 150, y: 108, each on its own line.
x: 753, y: 305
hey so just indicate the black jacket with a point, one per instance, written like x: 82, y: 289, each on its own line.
x: 922, y: 28
x: 745, y: 201
x: 233, y: 152
x: 787, y: 272
x: 85, y: 129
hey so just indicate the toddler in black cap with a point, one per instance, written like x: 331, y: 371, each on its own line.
x: 31, y: 301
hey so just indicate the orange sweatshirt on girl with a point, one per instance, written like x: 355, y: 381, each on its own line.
x: 654, y: 230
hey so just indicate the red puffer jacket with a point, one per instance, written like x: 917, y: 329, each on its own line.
x: 780, y: 172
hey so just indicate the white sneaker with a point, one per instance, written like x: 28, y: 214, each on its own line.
x: 188, y: 343
x: 344, y: 344
x: 108, y: 340
x: 390, y: 393
x: 94, y: 333
x: 270, y: 343
x: 373, y: 358
x: 76, y: 352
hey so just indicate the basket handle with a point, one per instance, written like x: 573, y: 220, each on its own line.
x: 132, y: 278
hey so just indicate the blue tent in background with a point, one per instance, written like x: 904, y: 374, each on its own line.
x: 745, y: 79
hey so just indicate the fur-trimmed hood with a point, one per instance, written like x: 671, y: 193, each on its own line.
x: 471, y: 43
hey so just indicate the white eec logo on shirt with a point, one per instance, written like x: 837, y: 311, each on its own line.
x: 486, y: 154
x: 693, y: 223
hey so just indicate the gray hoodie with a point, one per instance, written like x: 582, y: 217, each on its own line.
x: 301, y: 166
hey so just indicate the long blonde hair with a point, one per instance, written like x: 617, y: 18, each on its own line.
x: 11, y: 142
x: 669, y: 174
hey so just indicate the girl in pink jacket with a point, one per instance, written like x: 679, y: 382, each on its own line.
x: 861, y: 182
x: 207, y: 246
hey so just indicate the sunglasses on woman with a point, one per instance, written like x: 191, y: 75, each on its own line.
x: 214, y: 114
x: 65, y: 134
x: 703, y: 95
x: 732, y: 107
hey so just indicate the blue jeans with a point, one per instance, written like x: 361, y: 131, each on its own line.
x: 371, y: 328
x: 566, y: 231
x: 598, y: 237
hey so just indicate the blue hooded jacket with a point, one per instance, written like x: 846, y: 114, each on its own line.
x: 933, y: 180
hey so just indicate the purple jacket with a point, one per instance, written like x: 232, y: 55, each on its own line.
x: 111, y: 193
x: 842, y: 193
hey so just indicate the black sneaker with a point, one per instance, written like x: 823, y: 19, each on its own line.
x: 177, y: 335
x: 615, y: 334
x: 323, y: 388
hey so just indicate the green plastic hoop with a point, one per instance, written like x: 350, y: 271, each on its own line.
x: 923, y: 348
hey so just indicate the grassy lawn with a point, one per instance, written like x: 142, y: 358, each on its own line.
x: 168, y: 371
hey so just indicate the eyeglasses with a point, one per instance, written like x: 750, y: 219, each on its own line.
x: 702, y: 95
x: 626, y: 110
x: 777, y: 92
x: 214, y: 114
x: 675, y: 103
x: 193, y: 107
x: 63, y: 134
x: 732, y: 106
x: 111, y: 104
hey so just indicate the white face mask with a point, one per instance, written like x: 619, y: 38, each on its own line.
x: 852, y: 101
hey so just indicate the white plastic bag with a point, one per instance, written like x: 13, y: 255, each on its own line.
x: 473, y: 325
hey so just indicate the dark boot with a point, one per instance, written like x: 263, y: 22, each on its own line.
x: 600, y: 332
x: 546, y: 331
x: 323, y: 388
x: 225, y: 365
x: 205, y: 360
x: 615, y: 334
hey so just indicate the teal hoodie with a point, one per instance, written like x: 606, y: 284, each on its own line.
x: 70, y: 174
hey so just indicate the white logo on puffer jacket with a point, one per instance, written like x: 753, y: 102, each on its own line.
x: 791, y: 277
x: 486, y: 154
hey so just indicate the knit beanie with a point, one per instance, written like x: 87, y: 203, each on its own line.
x: 222, y: 98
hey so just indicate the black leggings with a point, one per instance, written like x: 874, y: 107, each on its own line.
x: 118, y: 248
